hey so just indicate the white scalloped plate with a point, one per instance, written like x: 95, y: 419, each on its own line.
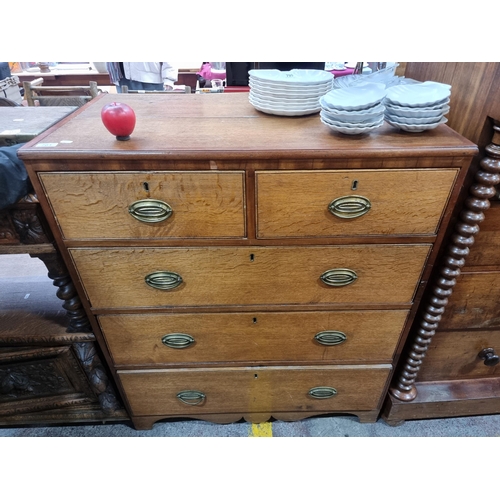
x: 353, y: 117
x: 416, y: 128
x: 284, y: 92
x: 337, y: 123
x: 295, y: 76
x: 284, y: 101
x: 278, y: 87
x: 355, y: 98
x: 413, y: 121
x: 417, y: 112
x: 419, y: 94
x: 351, y: 130
x: 281, y: 111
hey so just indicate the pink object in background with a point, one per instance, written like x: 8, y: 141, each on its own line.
x: 207, y: 73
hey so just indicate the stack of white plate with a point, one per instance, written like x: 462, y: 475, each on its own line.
x: 417, y: 107
x: 354, y: 110
x: 288, y: 93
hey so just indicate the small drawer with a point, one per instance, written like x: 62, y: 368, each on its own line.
x: 246, y: 390
x: 351, y: 203
x: 343, y: 336
x: 459, y: 355
x: 151, y: 277
x: 132, y: 205
x: 484, y: 251
x: 474, y: 302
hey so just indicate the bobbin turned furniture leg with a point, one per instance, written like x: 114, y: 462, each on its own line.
x: 461, y: 240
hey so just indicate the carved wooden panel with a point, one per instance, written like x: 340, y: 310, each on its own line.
x: 36, y: 379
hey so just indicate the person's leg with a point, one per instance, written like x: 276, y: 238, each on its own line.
x: 135, y: 85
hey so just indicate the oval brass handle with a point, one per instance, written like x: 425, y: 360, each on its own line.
x: 338, y: 277
x: 192, y: 398
x: 350, y: 207
x: 163, y: 280
x: 330, y: 337
x: 322, y: 392
x: 150, y: 210
x: 489, y: 356
x: 177, y: 340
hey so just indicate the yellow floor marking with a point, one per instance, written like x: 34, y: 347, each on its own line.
x: 262, y: 430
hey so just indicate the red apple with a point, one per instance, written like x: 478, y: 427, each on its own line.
x: 119, y: 119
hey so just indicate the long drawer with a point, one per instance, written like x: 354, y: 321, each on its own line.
x: 351, y: 202
x: 234, y: 390
x: 142, y: 277
x: 342, y: 336
x: 97, y: 205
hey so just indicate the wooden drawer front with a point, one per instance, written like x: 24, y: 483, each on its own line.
x: 361, y: 336
x: 155, y: 392
x: 291, y: 204
x: 96, y: 205
x: 251, y: 275
x: 455, y: 355
x: 474, y: 303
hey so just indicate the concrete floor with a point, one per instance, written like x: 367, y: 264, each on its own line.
x: 16, y: 269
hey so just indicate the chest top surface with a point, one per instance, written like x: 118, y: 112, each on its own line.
x: 226, y: 126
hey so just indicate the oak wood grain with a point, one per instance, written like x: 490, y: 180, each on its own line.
x: 227, y: 126
x: 136, y: 339
x: 204, y: 204
x: 255, y: 275
x: 248, y: 390
x: 402, y: 201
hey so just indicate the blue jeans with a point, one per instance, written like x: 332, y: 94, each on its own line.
x: 135, y: 85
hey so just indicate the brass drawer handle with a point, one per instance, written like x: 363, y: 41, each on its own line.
x: 338, y: 277
x: 177, y: 340
x: 192, y: 398
x: 350, y: 207
x: 150, y: 210
x: 163, y: 280
x: 330, y: 337
x: 322, y: 392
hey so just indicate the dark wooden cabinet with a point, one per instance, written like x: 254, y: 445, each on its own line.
x: 51, y: 370
x: 451, y: 365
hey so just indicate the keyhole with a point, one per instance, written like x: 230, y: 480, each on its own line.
x: 354, y: 185
x: 254, y: 320
x: 252, y: 257
x: 146, y: 186
x: 255, y: 375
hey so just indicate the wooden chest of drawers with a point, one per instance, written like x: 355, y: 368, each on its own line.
x: 241, y: 265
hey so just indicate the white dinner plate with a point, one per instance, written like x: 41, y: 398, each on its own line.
x: 293, y: 77
x: 312, y: 91
x: 252, y: 83
x: 289, y: 100
x: 283, y: 105
x: 272, y: 110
